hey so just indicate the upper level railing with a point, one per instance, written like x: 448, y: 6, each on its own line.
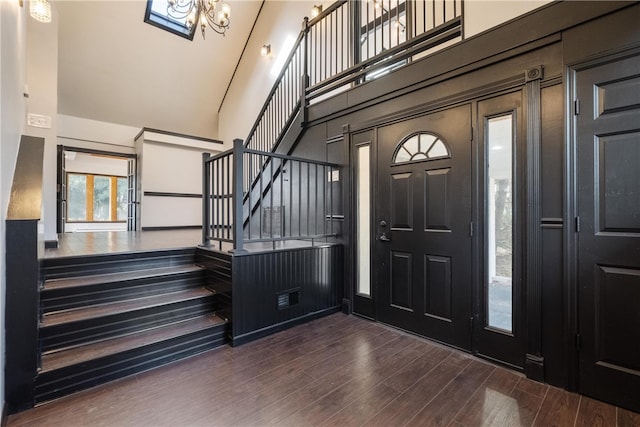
x: 293, y: 198
x: 348, y: 43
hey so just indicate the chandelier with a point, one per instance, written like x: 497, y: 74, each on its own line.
x: 213, y: 13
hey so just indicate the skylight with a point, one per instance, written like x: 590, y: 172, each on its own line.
x: 156, y: 15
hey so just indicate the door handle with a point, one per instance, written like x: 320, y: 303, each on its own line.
x: 384, y: 238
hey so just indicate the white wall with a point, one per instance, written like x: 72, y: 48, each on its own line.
x: 87, y: 163
x: 480, y: 15
x: 253, y: 79
x: 12, y: 108
x: 42, y: 81
x: 170, y: 164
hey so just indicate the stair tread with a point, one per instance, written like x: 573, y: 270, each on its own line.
x: 72, y: 315
x: 117, y: 277
x: 70, y: 356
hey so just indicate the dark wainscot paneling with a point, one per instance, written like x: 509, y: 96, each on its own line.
x: 276, y: 290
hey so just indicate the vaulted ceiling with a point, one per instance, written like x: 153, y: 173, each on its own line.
x: 114, y: 67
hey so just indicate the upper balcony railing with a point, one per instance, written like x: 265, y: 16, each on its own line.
x: 349, y: 43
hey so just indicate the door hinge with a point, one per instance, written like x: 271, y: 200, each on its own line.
x: 576, y: 107
x: 471, y: 133
x: 577, y: 342
x: 577, y: 224
x: 471, y: 229
x: 471, y: 324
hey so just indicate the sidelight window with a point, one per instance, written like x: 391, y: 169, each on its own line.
x: 363, y: 213
x: 499, y: 222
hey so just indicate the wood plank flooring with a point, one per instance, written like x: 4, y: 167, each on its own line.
x: 108, y: 242
x: 335, y: 371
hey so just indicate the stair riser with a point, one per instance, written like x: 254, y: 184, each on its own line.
x: 94, y: 329
x: 57, y: 268
x: 61, y: 382
x: 81, y: 296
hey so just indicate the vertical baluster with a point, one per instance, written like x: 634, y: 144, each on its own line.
x: 271, y: 191
x: 331, y: 185
x: 308, y: 198
x: 227, y: 198
x: 290, y: 216
x: 250, y: 205
x: 433, y: 12
x: 332, y: 51
x: 299, y: 198
x: 444, y: 11
x: 281, y: 210
x: 324, y: 199
x: 259, y: 210
x: 218, y: 196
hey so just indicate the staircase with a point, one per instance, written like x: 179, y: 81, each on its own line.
x: 105, y: 317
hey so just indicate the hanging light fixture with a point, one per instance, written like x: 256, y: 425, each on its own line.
x: 216, y: 14
x: 40, y: 10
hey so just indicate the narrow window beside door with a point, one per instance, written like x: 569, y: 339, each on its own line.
x: 363, y: 213
x: 499, y: 225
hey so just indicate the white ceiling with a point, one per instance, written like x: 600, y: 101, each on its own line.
x: 114, y: 67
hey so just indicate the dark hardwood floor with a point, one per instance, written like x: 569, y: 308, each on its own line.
x: 336, y: 371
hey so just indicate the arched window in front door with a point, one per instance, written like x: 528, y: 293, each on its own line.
x: 419, y: 147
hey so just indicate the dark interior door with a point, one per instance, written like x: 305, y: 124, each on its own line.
x: 608, y: 148
x: 422, y: 226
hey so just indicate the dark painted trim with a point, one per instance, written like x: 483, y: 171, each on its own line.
x: 101, y: 152
x: 254, y: 335
x: 162, y: 194
x: 21, y: 313
x: 346, y: 306
x: 181, y: 135
x: 25, y: 201
x: 173, y: 227
x: 534, y: 362
x: 50, y: 244
x: 513, y: 82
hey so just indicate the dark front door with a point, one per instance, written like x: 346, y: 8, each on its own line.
x: 608, y: 148
x: 422, y: 226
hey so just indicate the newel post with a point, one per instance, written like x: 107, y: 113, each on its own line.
x: 238, y: 195
x: 206, y: 198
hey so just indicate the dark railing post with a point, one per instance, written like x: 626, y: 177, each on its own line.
x: 238, y: 196
x: 304, y: 80
x: 206, y: 197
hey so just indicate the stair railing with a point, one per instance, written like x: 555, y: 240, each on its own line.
x: 348, y: 43
x: 295, y: 201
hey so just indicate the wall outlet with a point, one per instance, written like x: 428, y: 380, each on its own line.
x: 39, y: 121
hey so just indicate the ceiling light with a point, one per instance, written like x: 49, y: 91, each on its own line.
x: 216, y: 14
x: 316, y: 10
x: 40, y: 10
x: 265, y: 50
